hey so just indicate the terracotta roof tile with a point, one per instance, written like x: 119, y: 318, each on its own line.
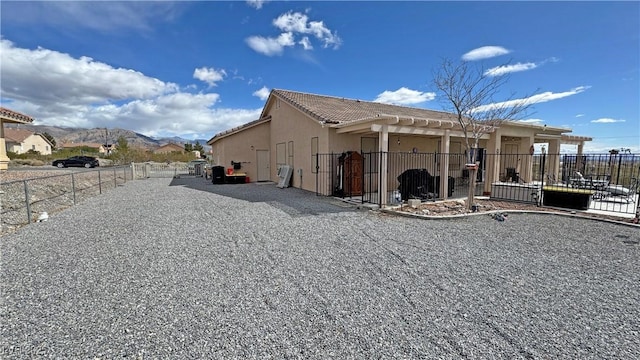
x: 14, y: 115
x: 16, y: 135
x: 337, y: 110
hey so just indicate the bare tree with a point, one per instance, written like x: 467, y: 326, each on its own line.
x: 470, y: 93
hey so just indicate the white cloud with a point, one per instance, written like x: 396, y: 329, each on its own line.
x: 404, y: 96
x: 263, y: 93
x: 484, y: 52
x: 209, y: 75
x: 257, y: 4
x: 607, y: 121
x: 270, y: 46
x: 579, y: 115
x: 59, y: 90
x: 55, y: 78
x: 306, y: 44
x: 532, y: 121
x: 506, y: 69
x: 292, y: 24
x: 299, y: 23
x: 535, y: 99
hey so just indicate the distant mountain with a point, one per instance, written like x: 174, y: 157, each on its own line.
x: 102, y: 136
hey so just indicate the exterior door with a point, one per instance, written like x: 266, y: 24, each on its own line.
x: 262, y: 161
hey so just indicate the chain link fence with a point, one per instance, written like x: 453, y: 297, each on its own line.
x: 24, y: 201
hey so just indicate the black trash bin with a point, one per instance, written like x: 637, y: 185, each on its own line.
x: 217, y: 174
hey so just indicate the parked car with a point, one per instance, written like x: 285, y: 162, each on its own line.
x: 78, y: 161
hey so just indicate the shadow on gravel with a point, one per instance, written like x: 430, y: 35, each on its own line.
x: 293, y: 201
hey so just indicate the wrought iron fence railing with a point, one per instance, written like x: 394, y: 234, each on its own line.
x: 611, y: 180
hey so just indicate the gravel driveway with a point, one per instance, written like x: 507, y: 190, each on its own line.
x: 149, y: 270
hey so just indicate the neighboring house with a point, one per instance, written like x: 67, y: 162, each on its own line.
x: 9, y: 116
x: 295, y: 126
x: 21, y: 141
x: 100, y: 148
x: 168, y: 148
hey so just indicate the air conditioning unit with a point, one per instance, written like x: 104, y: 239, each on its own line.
x: 284, y: 176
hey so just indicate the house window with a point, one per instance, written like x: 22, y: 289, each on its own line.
x: 33, y: 147
x: 290, y: 154
x: 46, y: 147
x: 281, y: 154
x: 314, y: 154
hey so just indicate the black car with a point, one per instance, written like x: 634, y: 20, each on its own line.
x: 78, y: 161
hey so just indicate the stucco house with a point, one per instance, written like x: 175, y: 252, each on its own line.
x: 168, y: 148
x: 294, y: 127
x: 9, y: 116
x: 21, y: 141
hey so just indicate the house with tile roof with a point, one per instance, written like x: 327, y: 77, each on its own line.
x: 9, y: 116
x: 294, y: 127
x: 20, y: 141
x: 168, y: 148
x: 99, y: 148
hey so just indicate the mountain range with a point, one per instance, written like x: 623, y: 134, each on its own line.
x: 104, y: 136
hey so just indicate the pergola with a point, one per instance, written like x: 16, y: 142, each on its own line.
x: 9, y: 116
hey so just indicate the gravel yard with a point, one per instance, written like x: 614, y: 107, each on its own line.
x: 149, y: 270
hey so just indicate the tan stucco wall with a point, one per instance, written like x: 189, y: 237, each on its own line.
x: 241, y: 147
x: 289, y: 124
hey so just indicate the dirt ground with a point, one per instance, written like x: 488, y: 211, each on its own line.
x: 459, y: 207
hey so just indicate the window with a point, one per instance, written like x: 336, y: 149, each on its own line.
x: 369, y: 149
x: 33, y: 147
x: 281, y: 155
x: 314, y: 154
x: 290, y: 154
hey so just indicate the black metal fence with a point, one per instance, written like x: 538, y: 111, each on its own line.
x: 407, y: 175
x: 611, y: 181
x: 23, y: 201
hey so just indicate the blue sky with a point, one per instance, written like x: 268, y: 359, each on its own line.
x: 192, y: 69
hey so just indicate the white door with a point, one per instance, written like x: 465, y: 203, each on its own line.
x: 264, y: 171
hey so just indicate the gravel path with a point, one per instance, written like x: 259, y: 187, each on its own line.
x: 149, y: 270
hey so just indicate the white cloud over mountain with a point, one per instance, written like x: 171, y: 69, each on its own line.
x: 58, y: 89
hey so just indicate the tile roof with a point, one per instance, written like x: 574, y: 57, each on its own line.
x: 10, y: 115
x: 79, y: 144
x: 16, y: 135
x: 337, y: 110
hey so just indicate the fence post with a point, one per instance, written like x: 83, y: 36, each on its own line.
x: 73, y: 187
x: 115, y: 179
x: 27, y: 200
x: 99, y: 182
x: 133, y: 171
x: 544, y: 160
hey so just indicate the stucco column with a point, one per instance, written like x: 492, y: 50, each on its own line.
x: 554, y: 158
x: 444, y: 164
x: 526, y: 165
x: 4, y: 160
x: 493, y: 160
x: 383, y: 149
x: 579, y: 156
